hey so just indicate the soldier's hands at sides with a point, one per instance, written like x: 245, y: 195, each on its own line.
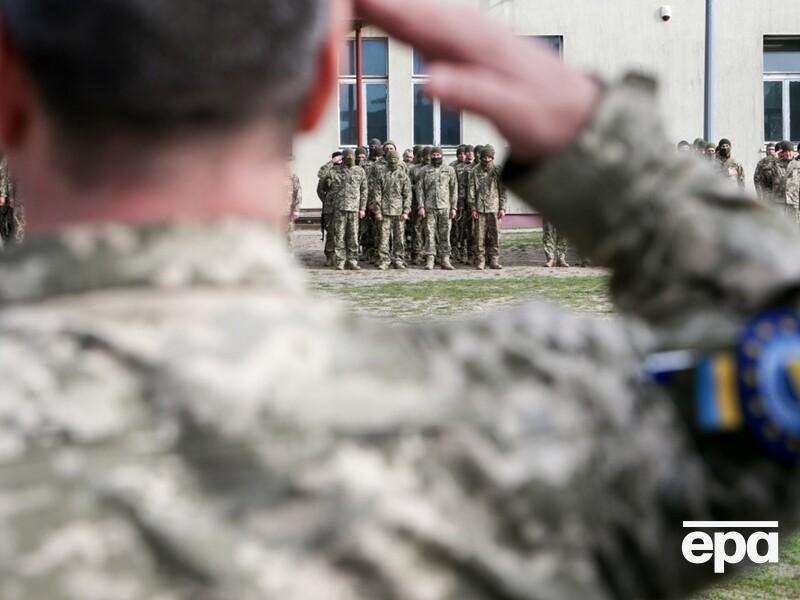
x: 501, y: 215
x: 404, y: 217
x: 422, y: 212
x: 474, y: 215
x: 536, y: 101
x: 379, y: 216
x: 362, y: 214
x: 295, y: 216
x: 452, y: 213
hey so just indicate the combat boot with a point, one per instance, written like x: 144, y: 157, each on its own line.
x: 562, y: 262
x: 494, y: 263
x: 353, y: 265
x: 480, y: 264
x: 550, y: 263
x: 330, y: 261
x: 400, y: 265
x: 340, y: 266
x: 447, y: 265
x: 383, y: 266
x: 429, y: 263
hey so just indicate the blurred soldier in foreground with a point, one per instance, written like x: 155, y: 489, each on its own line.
x: 486, y: 199
x: 392, y: 206
x: 683, y: 146
x: 730, y: 169
x: 328, y: 209
x: 182, y: 420
x: 437, y: 190
x: 764, y: 173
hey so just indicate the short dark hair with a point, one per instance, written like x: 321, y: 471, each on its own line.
x: 155, y: 69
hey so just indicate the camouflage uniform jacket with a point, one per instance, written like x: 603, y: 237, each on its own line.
x: 732, y: 170
x: 437, y: 187
x: 393, y: 193
x: 486, y: 192
x: 779, y: 181
x: 295, y: 194
x: 463, y: 170
x: 6, y: 182
x: 322, y: 190
x: 790, y: 183
x: 762, y: 178
x: 347, y: 188
x: 180, y: 419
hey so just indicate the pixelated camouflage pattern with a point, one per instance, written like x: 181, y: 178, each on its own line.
x: 347, y: 188
x: 392, y: 193
x: 763, y: 178
x: 180, y: 419
x: 555, y: 244
x: 731, y: 170
x: 437, y: 187
x: 486, y: 192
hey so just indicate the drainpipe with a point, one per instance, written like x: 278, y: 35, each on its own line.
x: 708, y: 130
x: 360, y: 117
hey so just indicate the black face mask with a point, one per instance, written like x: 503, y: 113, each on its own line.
x: 725, y: 153
x: 436, y: 162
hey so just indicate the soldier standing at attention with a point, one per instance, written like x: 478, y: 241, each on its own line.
x: 555, y: 246
x: 782, y: 197
x: 328, y: 209
x: 437, y: 189
x: 730, y: 169
x: 457, y: 233
x: 295, y: 203
x: 362, y: 157
x: 181, y: 418
x: 459, y: 156
x: 487, y: 205
x: 392, y: 207
x: 12, y: 218
x: 408, y: 159
x: 763, y: 176
x: 347, y: 185
x: 418, y: 229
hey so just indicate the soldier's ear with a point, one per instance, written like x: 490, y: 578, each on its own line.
x: 327, y: 67
x: 16, y: 94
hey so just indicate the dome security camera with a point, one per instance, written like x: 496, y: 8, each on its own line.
x: 666, y: 13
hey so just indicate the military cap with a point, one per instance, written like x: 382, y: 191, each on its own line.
x: 388, y: 143
x: 469, y: 148
x: 683, y: 143
x: 362, y: 150
x: 374, y: 142
x: 337, y: 153
x: 488, y: 150
x: 785, y: 146
x: 478, y: 148
x: 461, y: 148
x: 436, y: 149
x: 710, y: 146
x: 418, y: 148
x: 699, y: 143
x: 349, y: 152
x: 724, y: 141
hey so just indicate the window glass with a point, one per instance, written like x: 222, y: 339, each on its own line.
x: 423, y: 117
x: 376, y: 58
x: 773, y: 111
x: 782, y: 55
x: 377, y: 111
x: 555, y: 42
x: 420, y: 68
x: 450, y: 127
x: 794, y: 110
x: 348, y: 130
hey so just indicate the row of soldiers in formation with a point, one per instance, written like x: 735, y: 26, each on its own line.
x: 776, y: 178
x: 369, y: 196
x: 12, y: 220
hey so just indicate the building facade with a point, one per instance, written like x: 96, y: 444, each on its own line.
x: 755, y: 48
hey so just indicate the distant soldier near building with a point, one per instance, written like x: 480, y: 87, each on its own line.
x: 392, y: 206
x: 295, y: 203
x: 763, y: 177
x: 347, y: 185
x: 486, y: 197
x: 784, y: 176
x: 12, y: 219
x: 362, y: 156
x: 460, y: 232
x: 437, y: 189
x: 418, y: 231
x: 327, y: 218
x: 730, y: 168
x: 408, y: 158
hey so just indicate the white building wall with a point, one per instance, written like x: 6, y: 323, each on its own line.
x: 608, y: 38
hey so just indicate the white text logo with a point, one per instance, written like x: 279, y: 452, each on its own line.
x: 727, y: 546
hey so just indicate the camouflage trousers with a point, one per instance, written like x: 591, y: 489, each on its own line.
x: 329, y: 221
x: 346, y: 234
x: 289, y: 233
x: 370, y: 232
x: 487, y: 236
x: 417, y: 231
x: 555, y: 245
x: 437, y: 224
x: 461, y: 235
x: 791, y: 212
x: 392, y: 247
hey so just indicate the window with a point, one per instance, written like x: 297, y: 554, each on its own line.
x: 434, y: 124
x: 781, y: 89
x: 555, y: 42
x: 375, y: 54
